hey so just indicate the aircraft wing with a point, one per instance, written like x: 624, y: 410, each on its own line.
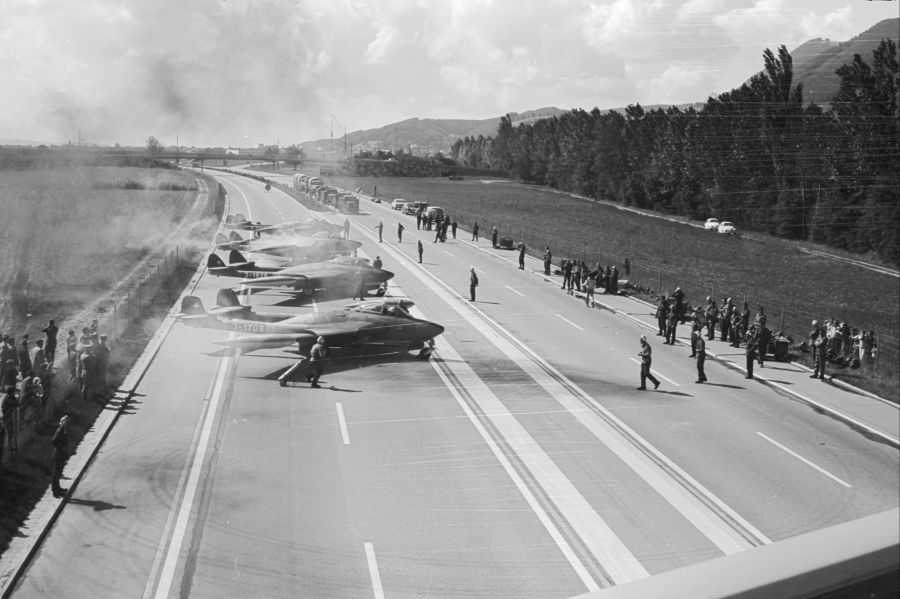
x: 296, y: 281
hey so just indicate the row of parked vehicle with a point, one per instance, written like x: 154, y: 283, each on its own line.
x: 405, y: 207
x: 713, y: 224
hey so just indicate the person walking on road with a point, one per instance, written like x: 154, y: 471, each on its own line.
x: 420, y: 249
x: 548, y: 257
x: 475, y: 232
x: 646, y: 355
x: 662, y: 314
x: 473, y: 283
x: 60, y: 455
x: 316, y: 356
x: 521, y: 256
x: 380, y: 228
x: 453, y: 226
x: 701, y: 357
x: 399, y: 232
x: 590, y: 285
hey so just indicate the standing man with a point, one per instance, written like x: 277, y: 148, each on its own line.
x: 316, y: 356
x: 662, y: 314
x: 359, y: 288
x: 380, y: 228
x: 475, y: 231
x: 346, y: 228
x: 50, y: 344
x: 24, y: 357
x: 712, y: 315
x: 725, y: 322
x: 399, y: 232
x: 752, y: 339
x: 818, y: 343
x: 646, y: 355
x: 521, y: 256
x: 696, y: 325
x: 671, y: 325
x: 453, y: 226
x: 9, y: 412
x: 547, y: 258
x: 494, y: 237
x: 567, y: 273
x: 473, y: 283
x: 72, y: 354
x: 60, y: 455
x: 614, y: 280
x: 421, y: 249
x: 701, y: 357
x: 589, y: 285
x: 376, y: 263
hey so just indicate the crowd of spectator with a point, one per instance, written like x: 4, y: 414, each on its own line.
x: 27, y: 375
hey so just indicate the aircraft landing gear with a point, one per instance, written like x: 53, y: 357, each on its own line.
x: 285, y: 377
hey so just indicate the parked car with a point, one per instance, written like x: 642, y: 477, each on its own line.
x: 712, y: 224
x: 726, y: 227
x: 398, y: 204
x: 436, y: 212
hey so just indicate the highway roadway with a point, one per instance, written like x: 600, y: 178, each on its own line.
x: 520, y: 461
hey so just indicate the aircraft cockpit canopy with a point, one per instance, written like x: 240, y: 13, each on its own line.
x: 383, y: 309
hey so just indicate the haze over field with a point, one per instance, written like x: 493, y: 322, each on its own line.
x: 239, y: 72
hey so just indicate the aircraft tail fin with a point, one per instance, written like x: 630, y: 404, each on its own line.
x: 191, y: 305
x: 236, y: 258
x: 227, y: 298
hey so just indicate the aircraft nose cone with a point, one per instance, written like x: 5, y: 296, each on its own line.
x: 385, y: 275
x: 436, y: 328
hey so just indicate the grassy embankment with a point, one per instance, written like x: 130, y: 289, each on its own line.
x: 76, y: 242
x: 664, y: 254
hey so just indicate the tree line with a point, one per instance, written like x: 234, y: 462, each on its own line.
x: 755, y: 155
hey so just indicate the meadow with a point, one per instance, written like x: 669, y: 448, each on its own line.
x: 71, y: 234
x: 663, y: 253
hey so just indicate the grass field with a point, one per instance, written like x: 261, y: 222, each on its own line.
x: 72, y: 234
x: 663, y: 254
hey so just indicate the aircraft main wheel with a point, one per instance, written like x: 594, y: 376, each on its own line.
x: 283, y: 382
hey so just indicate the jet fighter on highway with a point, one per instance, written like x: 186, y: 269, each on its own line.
x: 298, y: 249
x: 383, y: 324
x: 344, y: 274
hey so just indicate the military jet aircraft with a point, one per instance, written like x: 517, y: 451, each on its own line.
x: 345, y: 274
x: 300, y: 227
x: 380, y: 324
x: 296, y: 248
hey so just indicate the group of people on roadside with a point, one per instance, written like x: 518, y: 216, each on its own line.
x: 88, y: 358
x: 26, y: 377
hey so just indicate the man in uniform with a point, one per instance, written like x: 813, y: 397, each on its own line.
x: 346, y: 228
x: 671, y: 325
x: 453, y: 226
x: 701, y: 356
x: 547, y: 258
x: 752, y: 339
x: 399, y: 232
x: 678, y: 297
x: 316, y: 356
x: 567, y: 273
x: 60, y: 455
x: 50, y: 345
x: 725, y: 321
x: 494, y: 237
x: 376, y: 263
x: 614, y: 280
x: 475, y: 232
x: 818, y: 344
x: 662, y: 314
x: 696, y: 325
x: 420, y: 249
x: 473, y: 283
x: 521, y: 256
x: 712, y: 315
x: 646, y: 355
x: 380, y: 228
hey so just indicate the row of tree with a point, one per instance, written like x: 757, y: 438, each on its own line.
x: 756, y: 156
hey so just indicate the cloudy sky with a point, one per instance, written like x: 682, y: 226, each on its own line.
x: 244, y: 72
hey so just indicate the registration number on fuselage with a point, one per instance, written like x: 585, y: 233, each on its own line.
x: 250, y: 327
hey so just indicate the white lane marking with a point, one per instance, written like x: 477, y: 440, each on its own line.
x: 515, y: 291
x: 656, y: 372
x: 719, y: 523
x: 452, y: 357
x: 345, y: 434
x: 569, y: 321
x: 804, y: 460
x: 167, y: 575
x: 249, y: 214
x: 377, y: 589
x: 449, y: 254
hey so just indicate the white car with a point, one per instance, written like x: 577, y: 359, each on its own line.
x: 398, y: 204
x: 712, y: 224
x: 726, y: 227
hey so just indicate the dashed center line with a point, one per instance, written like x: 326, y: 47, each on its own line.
x: 804, y: 460
x: 569, y: 321
x: 377, y: 589
x: 515, y: 291
x: 449, y: 254
x: 345, y: 434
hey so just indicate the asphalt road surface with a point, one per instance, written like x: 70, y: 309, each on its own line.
x: 520, y: 461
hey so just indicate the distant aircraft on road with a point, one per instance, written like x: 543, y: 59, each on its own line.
x: 383, y: 323
x: 342, y: 275
x: 295, y: 227
x: 298, y: 249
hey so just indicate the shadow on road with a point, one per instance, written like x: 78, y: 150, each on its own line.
x: 96, y: 504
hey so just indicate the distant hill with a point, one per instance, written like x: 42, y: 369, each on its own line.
x: 816, y: 61
x: 423, y: 135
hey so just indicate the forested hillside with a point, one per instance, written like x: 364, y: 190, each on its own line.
x: 756, y: 156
